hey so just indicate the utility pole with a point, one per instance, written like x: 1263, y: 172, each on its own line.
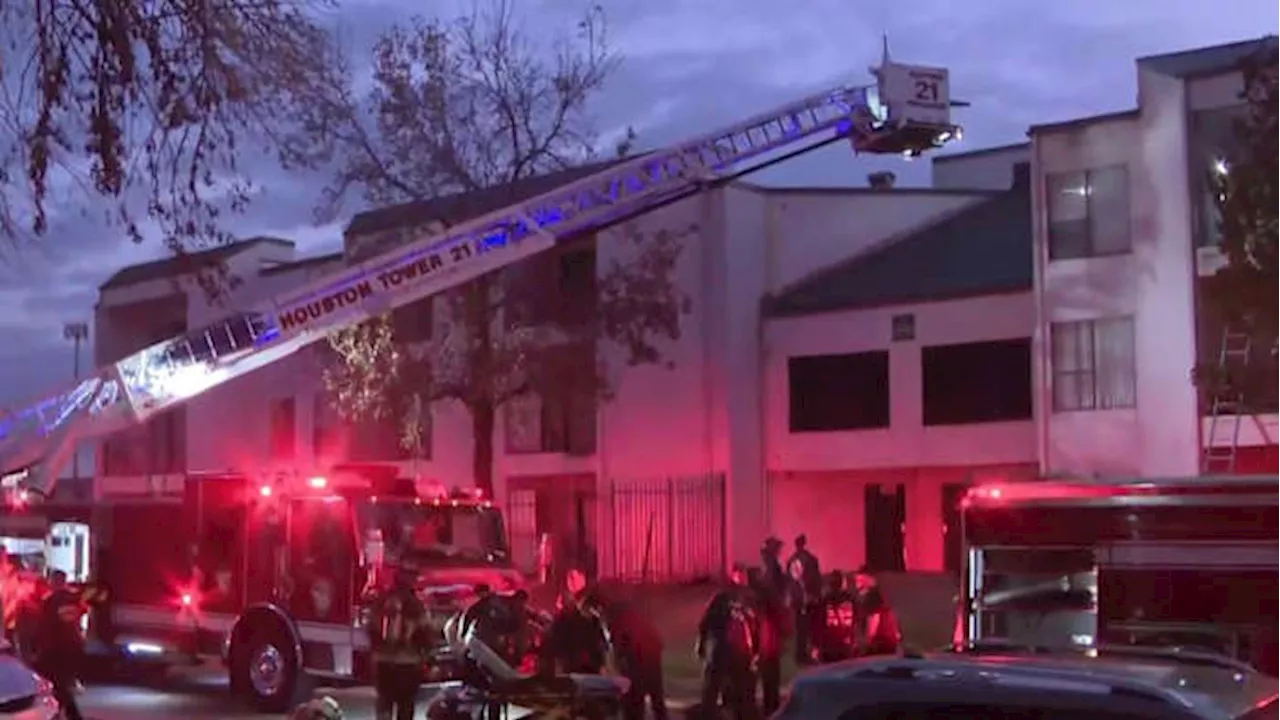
x: 77, y: 333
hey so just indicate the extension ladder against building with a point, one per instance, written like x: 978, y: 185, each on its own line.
x: 1227, y: 404
x: 906, y: 111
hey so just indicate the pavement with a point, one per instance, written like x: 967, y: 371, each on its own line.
x: 202, y: 694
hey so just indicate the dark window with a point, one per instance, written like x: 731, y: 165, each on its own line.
x: 1089, y: 213
x: 1213, y: 142
x: 402, y: 432
x: 839, y: 392
x: 562, y: 422
x: 326, y: 428
x: 414, y: 322
x: 284, y: 429
x: 977, y: 382
x: 552, y: 289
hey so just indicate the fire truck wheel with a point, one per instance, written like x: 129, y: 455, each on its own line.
x: 266, y: 669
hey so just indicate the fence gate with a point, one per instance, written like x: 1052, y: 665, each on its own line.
x: 522, y: 525
x: 668, y: 529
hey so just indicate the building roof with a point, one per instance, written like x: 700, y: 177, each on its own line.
x: 185, y: 263
x: 1213, y: 60
x: 459, y: 207
x: 982, y: 249
x: 996, y: 150
x: 1130, y: 114
x: 313, y: 261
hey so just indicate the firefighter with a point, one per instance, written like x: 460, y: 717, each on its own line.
x: 636, y: 646
x: 398, y: 638
x: 576, y: 642
x: 806, y: 598
x: 771, y: 613
x: 60, y: 644
x: 879, y: 631
x: 835, y: 627
x: 727, y: 645
x: 8, y: 594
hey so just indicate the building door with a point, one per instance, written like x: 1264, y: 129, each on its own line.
x: 885, y: 511
x: 952, y: 538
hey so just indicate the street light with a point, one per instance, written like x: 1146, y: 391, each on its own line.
x: 77, y: 333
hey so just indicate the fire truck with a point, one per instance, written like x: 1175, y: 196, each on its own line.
x: 1170, y: 562
x: 274, y: 577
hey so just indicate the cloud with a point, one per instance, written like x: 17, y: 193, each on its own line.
x: 689, y: 66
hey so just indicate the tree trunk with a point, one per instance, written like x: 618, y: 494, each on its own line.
x: 482, y: 422
x: 483, y: 412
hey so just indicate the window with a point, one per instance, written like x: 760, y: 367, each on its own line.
x: 284, y: 429
x: 977, y: 382
x: 1088, y: 213
x: 414, y: 322
x: 1093, y: 365
x: 326, y: 436
x: 559, y: 288
x: 1213, y: 142
x: 839, y: 392
x: 563, y: 422
x: 403, y: 432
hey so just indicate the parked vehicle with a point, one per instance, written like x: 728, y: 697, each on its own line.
x: 1035, y: 684
x: 24, y: 695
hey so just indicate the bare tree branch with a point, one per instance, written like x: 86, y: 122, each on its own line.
x: 159, y: 97
x: 474, y: 105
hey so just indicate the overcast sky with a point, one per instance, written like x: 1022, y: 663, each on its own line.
x: 689, y: 66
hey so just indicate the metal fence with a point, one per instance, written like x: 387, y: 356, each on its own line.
x: 665, y: 529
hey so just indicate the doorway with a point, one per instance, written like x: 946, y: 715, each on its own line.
x: 952, y: 538
x: 885, y: 517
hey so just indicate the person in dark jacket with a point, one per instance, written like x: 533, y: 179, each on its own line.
x: 728, y: 646
x: 835, y: 631
x: 576, y: 642
x: 636, y: 645
x: 60, y: 644
x: 398, y: 637
x: 806, y: 585
x: 771, y: 614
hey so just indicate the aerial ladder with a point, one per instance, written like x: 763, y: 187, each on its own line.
x: 907, y: 110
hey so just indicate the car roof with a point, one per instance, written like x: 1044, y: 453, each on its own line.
x: 1207, y: 689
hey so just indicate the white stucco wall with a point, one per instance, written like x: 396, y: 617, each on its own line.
x: 990, y: 169
x: 907, y: 442
x: 1154, y: 283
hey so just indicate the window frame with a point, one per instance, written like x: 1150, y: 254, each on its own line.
x: 1089, y: 368
x: 1055, y: 248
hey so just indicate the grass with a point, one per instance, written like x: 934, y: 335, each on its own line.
x: 923, y: 602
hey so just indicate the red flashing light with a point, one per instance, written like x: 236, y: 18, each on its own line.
x: 317, y: 483
x: 265, y: 491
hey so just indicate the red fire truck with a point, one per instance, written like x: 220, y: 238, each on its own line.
x: 274, y: 577
x: 1182, y: 562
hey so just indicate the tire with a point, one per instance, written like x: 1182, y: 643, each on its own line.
x: 265, y: 669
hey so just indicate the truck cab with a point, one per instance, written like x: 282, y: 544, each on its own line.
x: 1173, y: 562
x: 275, y: 576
